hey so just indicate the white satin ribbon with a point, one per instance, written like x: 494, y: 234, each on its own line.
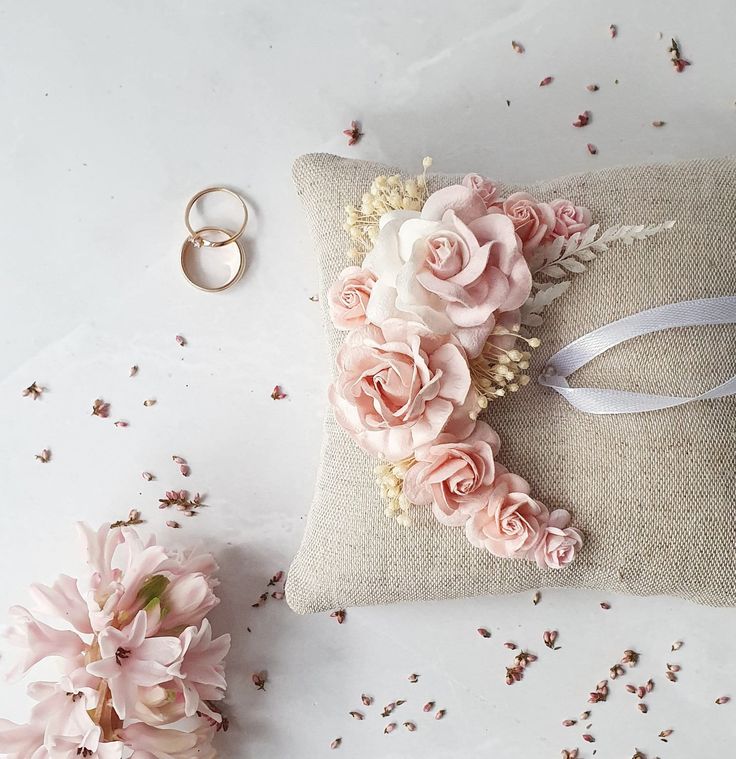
x: 592, y: 400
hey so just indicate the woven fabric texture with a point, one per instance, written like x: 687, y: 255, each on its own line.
x: 653, y: 493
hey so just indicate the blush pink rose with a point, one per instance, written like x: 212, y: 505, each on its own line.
x: 348, y: 297
x: 484, y: 188
x: 399, y: 386
x: 569, y: 219
x: 512, y: 523
x: 533, y: 220
x: 558, y: 542
x: 456, y: 477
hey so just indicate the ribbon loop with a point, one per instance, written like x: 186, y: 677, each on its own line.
x: 572, y: 357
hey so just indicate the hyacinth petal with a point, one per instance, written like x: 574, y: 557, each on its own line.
x: 64, y: 600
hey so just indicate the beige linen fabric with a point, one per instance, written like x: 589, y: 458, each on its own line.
x: 653, y: 493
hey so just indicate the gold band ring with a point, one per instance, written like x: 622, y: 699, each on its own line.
x: 196, y: 237
x: 189, y: 245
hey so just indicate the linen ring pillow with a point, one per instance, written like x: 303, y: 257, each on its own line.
x: 652, y: 493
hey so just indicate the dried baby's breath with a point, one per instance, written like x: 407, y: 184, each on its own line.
x: 385, y: 194
x: 391, y: 481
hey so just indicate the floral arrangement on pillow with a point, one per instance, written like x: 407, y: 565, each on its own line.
x: 140, y: 670
x: 437, y: 317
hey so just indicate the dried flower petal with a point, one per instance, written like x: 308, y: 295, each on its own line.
x: 592, y: 87
x: 605, y: 605
x: 353, y: 133
x: 413, y: 678
x: 569, y: 722
x: 517, y: 46
x: 676, y: 646
x: 613, y: 31
x: 630, y: 657
x: 45, y: 456
x: 178, y: 460
x: 588, y: 738
x: 185, y: 470
x: 674, y: 667
x: 277, y: 393
x: 658, y: 123
x: 547, y: 80
x: 584, y: 715
x: 147, y: 476
x: 339, y: 615
x: 367, y: 700
x: 440, y: 713
x: 483, y: 632
x: 101, y: 409
x: 133, y: 371
x: 134, y: 517
x: 121, y: 423
x: 181, y: 340
x: 428, y: 706
x: 259, y: 680
x: 279, y: 595
x: 389, y: 728
x: 549, y: 637
x: 314, y: 298
x: 666, y: 733
x: 34, y: 390
x: 642, y: 708
x: 356, y: 715
x: 410, y: 726
x: 149, y: 402
x: 723, y: 700
x: 336, y: 743
x: 510, y: 645
x: 671, y: 676
x: 172, y: 523
x: 582, y: 120
x: 536, y: 598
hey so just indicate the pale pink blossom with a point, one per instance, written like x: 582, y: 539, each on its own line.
x: 456, y: 477
x: 348, y: 297
x: 40, y: 641
x: 22, y: 741
x: 187, y: 600
x: 129, y: 660
x: 151, y: 743
x: 558, y: 542
x: 512, y: 523
x: 533, y: 220
x: 64, y: 600
x: 399, y: 386
x: 569, y: 219
x: 484, y: 188
x: 200, y: 670
x: 89, y: 745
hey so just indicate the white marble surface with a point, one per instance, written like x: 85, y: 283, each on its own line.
x: 113, y: 115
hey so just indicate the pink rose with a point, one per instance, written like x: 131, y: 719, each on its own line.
x: 456, y: 476
x: 484, y: 188
x: 399, y: 386
x: 558, y: 541
x: 532, y: 220
x: 348, y: 297
x: 512, y: 523
x: 449, y: 269
x: 569, y: 219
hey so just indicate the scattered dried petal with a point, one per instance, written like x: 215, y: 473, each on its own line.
x: 582, y: 120
x: 45, y: 456
x: 428, y: 706
x: 353, y: 133
x: 277, y: 393
x: 172, y: 523
x: 388, y: 709
x: 279, y: 595
x: 549, y: 637
x: 133, y: 371
x: 389, y: 728
x: 34, y: 390
x: 547, y: 80
x: 413, y: 678
x: 649, y: 685
x: 605, y: 605
x: 149, y: 402
x: 658, y: 123
x: 101, y: 409
x: 510, y: 645
x: 440, y: 713
x: 642, y: 708
x: 674, y: 667
x: 588, y: 738
x: 367, y: 700
x: 723, y: 700
x: 584, y: 715
x: 178, y: 460
x: 147, y: 476
x: 121, y: 423
x: 339, y: 615
x: 336, y: 743
x: 276, y: 578
x: 678, y: 62
x: 410, y: 726
x: 356, y: 715
x: 536, y: 598
x: 592, y: 87
x: 613, y: 31
x: 677, y: 645
x: 592, y: 149
x: 517, y: 46
x: 181, y: 340
x: 483, y: 632
x: 259, y: 680
x: 185, y: 470
x: 666, y: 733
x: 134, y: 517
x: 671, y: 676
x: 569, y: 722
x: 630, y: 657
x: 631, y: 688
x: 314, y: 298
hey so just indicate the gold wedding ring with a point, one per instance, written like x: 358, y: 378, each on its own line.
x: 207, y: 244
